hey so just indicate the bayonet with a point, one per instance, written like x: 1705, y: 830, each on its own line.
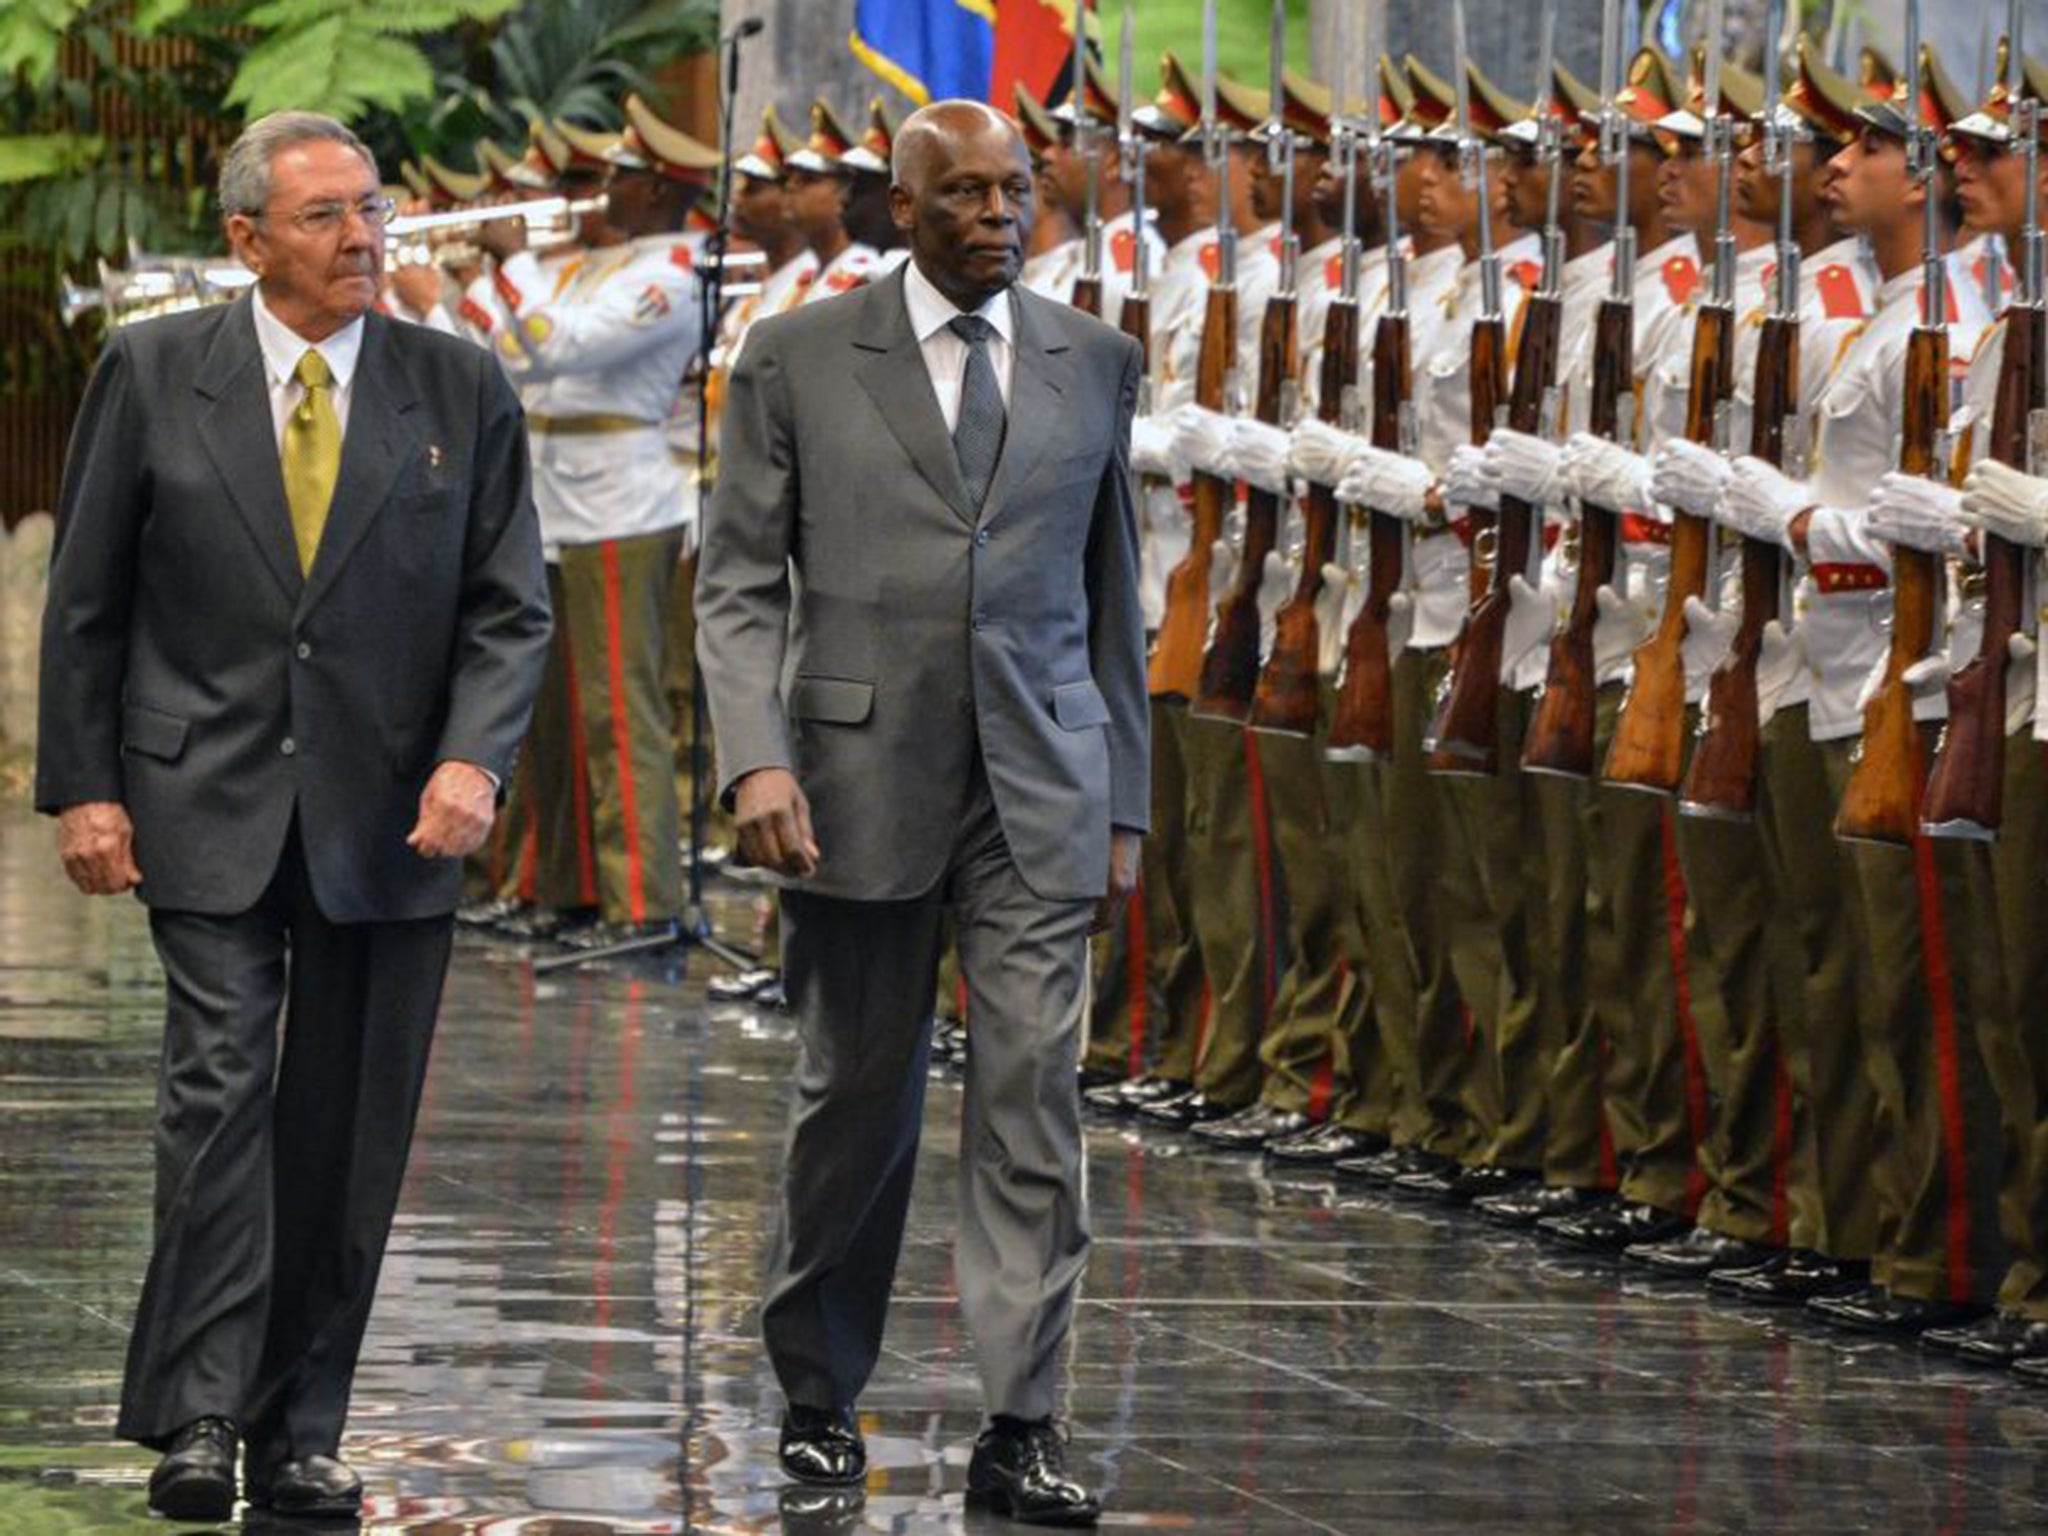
x: 1472, y: 157
x: 1131, y: 147
x: 1280, y: 152
x: 1086, y: 142
x: 1778, y: 141
x: 1216, y: 150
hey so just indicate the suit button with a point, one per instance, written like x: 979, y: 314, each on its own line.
x: 288, y: 747
x: 302, y: 650
x: 981, y: 538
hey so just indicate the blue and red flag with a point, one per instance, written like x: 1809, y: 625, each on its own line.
x: 932, y: 49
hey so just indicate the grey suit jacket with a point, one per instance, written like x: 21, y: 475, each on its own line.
x: 191, y: 672
x: 858, y: 624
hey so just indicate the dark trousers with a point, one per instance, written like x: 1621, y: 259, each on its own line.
x: 294, y: 1053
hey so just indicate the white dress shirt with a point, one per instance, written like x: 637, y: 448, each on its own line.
x: 283, y: 347
x: 945, y: 354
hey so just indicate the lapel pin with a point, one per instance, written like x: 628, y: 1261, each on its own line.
x: 433, y: 455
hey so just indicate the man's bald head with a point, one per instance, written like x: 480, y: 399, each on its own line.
x: 931, y: 135
x: 961, y: 190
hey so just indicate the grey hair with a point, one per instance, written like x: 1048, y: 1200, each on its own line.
x: 928, y: 122
x: 245, y: 169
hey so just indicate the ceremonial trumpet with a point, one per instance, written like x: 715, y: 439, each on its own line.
x: 543, y: 215
x: 153, y: 285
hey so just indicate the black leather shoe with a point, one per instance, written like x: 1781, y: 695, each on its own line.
x: 196, y: 1478
x: 487, y: 913
x: 1092, y: 1078
x: 1251, y: 1129
x: 1696, y: 1254
x: 1324, y: 1144
x: 1996, y: 1341
x: 1019, y: 1470
x: 2032, y: 1367
x: 1876, y: 1310
x: 543, y: 923
x: 1439, y: 1181
x: 1395, y: 1162
x: 309, y: 1488
x: 1185, y: 1109
x: 1485, y: 1182
x: 596, y: 936
x: 1615, y: 1227
x: 1123, y: 1098
x: 1729, y: 1281
x: 823, y: 1446
x: 821, y: 1511
x: 1801, y: 1278
x: 1526, y: 1206
x: 741, y: 986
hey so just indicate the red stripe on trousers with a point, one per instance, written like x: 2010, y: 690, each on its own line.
x: 1781, y: 1150
x: 622, y: 734
x: 1688, y: 1033
x: 1262, y: 861
x: 579, y: 779
x: 529, y: 861
x: 1941, y: 1002
x: 1134, y: 975
x: 1610, y: 1165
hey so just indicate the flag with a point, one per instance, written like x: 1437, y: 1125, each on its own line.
x: 1034, y: 48
x: 928, y: 49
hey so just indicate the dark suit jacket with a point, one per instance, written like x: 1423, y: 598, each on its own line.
x: 191, y: 673
x: 860, y: 624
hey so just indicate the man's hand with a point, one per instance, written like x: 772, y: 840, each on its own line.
x: 456, y: 811
x: 1123, y: 877
x: 501, y: 238
x: 96, y: 841
x: 419, y: 287
x: 775, y: 823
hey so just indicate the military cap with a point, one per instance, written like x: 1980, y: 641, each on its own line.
x: 1239, y: 107
x: 1820, y: 99
x: 1742, y: 97
x: 650, y: 144
x: 1493, y: 110
x: 513, y: 174
x: 1942, y: 102
x: 1397, y: 98
x: 1876, y: 73
x: 1176, y: 109
x: 588, y: 149
x: 456, y: 186
x: 877, y: 141
x: 1433, y: 100
x: 770, y: 152
x: 827, y: 146
x: 1992, y: 121
x: 551, y: 148
x: 1098, y: 95
x: 1569, y: 98
x: 1651, y: 90
x: 1041, y: 132
x: 415, y: 180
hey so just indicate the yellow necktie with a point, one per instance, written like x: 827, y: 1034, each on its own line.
x: 312, y: 455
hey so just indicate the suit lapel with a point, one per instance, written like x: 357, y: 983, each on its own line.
x: 896, y: 379
x: 1037, y: 386
x: 373, y: 451
x: 240, y: 437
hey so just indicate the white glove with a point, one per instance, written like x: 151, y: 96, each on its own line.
x: 1605, y: 474
x: 1618, y: 629
x: 1532, y: 618
x: 1400, y: 624
x: 1222, y: 570
x: 1524, y: 467
x: 1281, y: 577
x: 1336, y: 605
x: 1778, y: 664
x: 1688, y: 476
x: 1761, y: 501
x: 1918, y: 513
x: 2000, y: 499
x: 1200, y: 438
x: 1929, y: 678
x: 1466, y: 482
x: 1387, y: 483
x: 1707, y: 633
x: 1320, y: 452
x: 1257, y: 454
x: 1152, y: 448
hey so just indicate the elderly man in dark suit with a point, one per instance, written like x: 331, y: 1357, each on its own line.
x: 921, y: 638
x: 296, y: 622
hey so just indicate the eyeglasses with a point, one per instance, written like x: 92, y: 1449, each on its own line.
x: 328, y: 218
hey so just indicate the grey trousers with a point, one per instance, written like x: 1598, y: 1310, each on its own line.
x: 279, y: 1156
x: 859, y: 975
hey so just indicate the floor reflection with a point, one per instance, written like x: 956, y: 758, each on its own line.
x: 565, y: 1341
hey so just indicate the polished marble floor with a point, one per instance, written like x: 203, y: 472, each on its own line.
x: 564, y: 1344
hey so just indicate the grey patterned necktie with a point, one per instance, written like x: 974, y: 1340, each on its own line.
x: 978, y: 434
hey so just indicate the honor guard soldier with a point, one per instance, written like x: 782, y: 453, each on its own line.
x: 868, y: 218
x: 819, y: 184
x: 1051, y: 227
x: 614, y: 344
x: 1087, y: 178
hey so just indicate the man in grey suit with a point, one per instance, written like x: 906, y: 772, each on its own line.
x: 296, y: 621
x: 921, y: 638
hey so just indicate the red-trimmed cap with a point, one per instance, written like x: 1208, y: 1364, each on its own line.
x: 651, y: 144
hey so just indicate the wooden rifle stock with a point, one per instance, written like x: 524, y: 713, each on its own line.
x: 1966, y: 789
x: 1465, y: 734
x: 1135, y: 321
x: 1287, y: 700
x: 1363, y: 723
x: 1882, y: 801
x: 1176, y: 665
x: 1087, y: 296
x: 1230, y: 668
x: 1648, y: 750
x: 1561, y: 733
x: 1722, y: 779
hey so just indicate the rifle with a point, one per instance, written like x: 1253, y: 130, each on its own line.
x: 1882, y: 801
x: 1230, y: 667
x: 1362, y: 725
x: 1087, y: 295
x: 1560, y: 738
x: 1288, y: 701
x: 1464, y: 737
x: 1135, y: 318
x: 1966, y: 790
x: 1722, y: 780
x: 1648, y: 749
x: 1176, y: 664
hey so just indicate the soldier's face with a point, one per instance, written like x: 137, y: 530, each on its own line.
x: 1991, y: 183
x: 1686, y: 189
x: 1265, y: 188
x: 1593, y: 188
x: 1756, y: 194
x: 1408, y: 189
x: 317, y: 273
x: 817, y: 202
x: 1444, y: 206
x: 1868, y: 187
x: 759, y: 211
x: 966, y: 205
x: 1067, y: 171
x: 1527, y: 186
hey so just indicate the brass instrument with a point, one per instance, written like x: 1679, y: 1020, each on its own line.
x: 152, y: 285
